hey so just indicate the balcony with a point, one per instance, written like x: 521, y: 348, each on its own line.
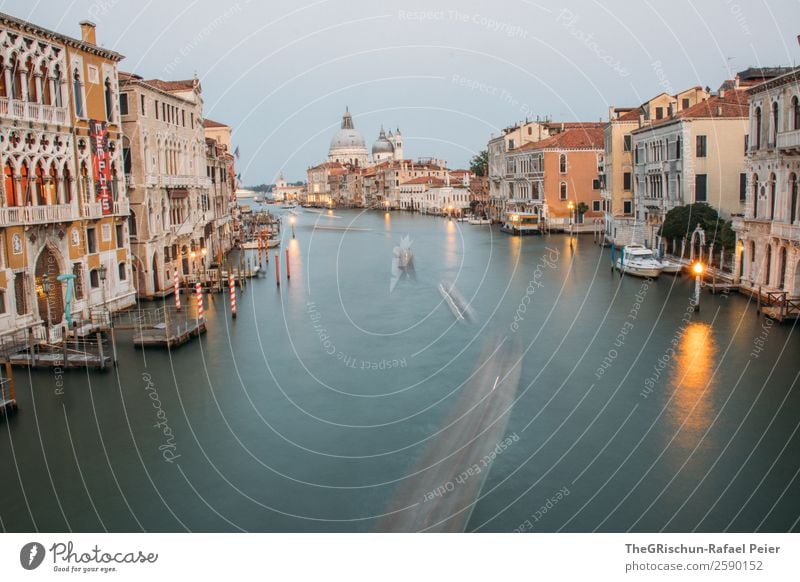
x: 17, y: 215
x: 178, y: 181
x: 789, y: 140
x: 130, y: 181
x: 787, y: 231
x: 94, y: 210
x: 30, y: 111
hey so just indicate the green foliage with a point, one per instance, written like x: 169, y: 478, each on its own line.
x: 479, y: 164
x: 680, y: 222
x: 581, y: 208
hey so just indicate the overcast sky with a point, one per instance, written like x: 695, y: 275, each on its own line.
x: 448, y: 73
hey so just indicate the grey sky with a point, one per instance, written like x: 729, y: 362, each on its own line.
x: 448, y: 73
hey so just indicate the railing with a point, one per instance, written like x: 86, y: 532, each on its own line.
x: 789, y: 139
x: 152, y: 180
x: 13, y: 215
x: 122, y: 207
x: 130, y: 181
x: 31, y: 111
x: 95, y: 209
x: 787, y: 231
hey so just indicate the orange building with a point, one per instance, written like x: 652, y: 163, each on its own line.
x: 559, y: 176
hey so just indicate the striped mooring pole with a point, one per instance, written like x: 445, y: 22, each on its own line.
x: 232, y: 287
x: 177, y: 285
x: 198, y: 291
x: 277, y: 269
x: 288, y: 269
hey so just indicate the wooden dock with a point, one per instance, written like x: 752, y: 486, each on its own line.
x: 8, y: 402
x: 168, y: 334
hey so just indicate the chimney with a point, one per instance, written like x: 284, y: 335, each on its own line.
x: 671, y: 110
x: 722, y: 93
x: 88, y: 32
x: 610, y: 112
x: 719, y: 110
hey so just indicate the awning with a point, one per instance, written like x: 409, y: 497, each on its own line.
x: 178, y: 192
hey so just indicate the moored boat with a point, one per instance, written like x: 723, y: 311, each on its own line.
x: 521, y: 223
x: 639, y: 261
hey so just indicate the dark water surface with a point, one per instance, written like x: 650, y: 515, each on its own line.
x: 573, y: 400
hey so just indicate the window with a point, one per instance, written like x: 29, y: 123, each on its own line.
x: 701, y: 146
x: 120, y: 236
x: 626, y: 181
x: 596, y: 205
x: 757, y: 127
x: 155, y: 107
x: 2, y: 301
x: 742, y: 187
x: 122, y: 271
x: 595, y: 184
x: 109, y: 97
x: 795, y: 113
x: 21, y: 293
x: 511, y: 144
x: 77, y: 92
x: 563, y: 191
x: 142, y: 106
x: 91, y: 240
x: 94, y: 279
x: 105, y: 231
x: 774, y: 122
x: 685, y: 103
x: 123, y: 104
x: 659, y: 113
x: 746, y: 143
x: 627, y: 206
x: 562, y: 163
x: 94, y: 74
x: 700, y: 187
x: 626, y: 142
x: 77, y: 270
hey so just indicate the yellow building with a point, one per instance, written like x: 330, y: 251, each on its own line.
x: 64, y: 208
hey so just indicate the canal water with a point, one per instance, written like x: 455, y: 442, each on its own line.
x: 501, y: 384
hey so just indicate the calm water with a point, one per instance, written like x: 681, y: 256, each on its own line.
x: 571, y: 400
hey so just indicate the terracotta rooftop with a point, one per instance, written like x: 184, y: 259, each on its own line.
x: 590, y: 138
x: 211, y: 123
x: 732, y: 104
x: 430, y: 180
x: 169, y: 86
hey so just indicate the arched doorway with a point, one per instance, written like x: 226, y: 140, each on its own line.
x: 767, y: 264
x: 49, y: 263
x: 156, y: 283
x: 139, y: 276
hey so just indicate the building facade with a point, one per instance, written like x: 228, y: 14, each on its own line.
x: 64, y: 208
x: 165, y: 168
x: 768, y: 246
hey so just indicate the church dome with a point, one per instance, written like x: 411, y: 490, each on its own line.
x: 347, y: 138
x: 382, y: 145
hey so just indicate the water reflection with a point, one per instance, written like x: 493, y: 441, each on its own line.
x: 691, y: 408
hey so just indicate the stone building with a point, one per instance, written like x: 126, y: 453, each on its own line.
x: 64, y: 206
x: 165, y: 169
x: 768, y: 246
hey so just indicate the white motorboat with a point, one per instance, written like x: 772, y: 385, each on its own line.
x: 254, y: 243
x: 479, y: 221
x: 639, y: 261
x: 521, y: 223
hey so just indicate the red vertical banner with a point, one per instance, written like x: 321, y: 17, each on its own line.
x: 101, y: 165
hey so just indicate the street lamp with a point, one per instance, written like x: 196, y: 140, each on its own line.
x: 697, y: 268
x: 292, y: 220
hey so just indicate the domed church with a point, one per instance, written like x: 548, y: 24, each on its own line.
x: 347, y: 145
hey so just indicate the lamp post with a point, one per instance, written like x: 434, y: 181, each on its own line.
x: 292, y: 220
x: 102, y: 272
x: 698, y: 274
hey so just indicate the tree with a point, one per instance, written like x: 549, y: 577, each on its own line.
x: 680, y: 222
x: 580, y: 210
x: 479, y: 164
